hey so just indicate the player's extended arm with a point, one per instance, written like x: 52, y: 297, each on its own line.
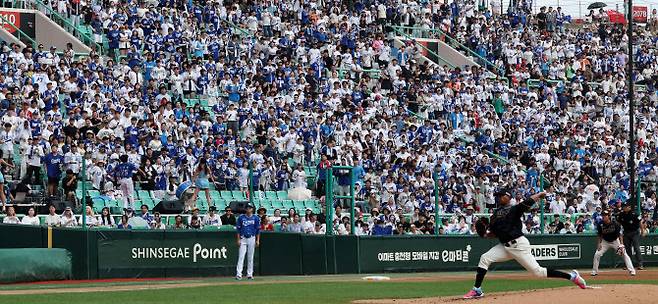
x: 537, y: 196
x: 526, y: 204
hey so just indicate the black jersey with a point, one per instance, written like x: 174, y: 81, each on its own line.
x: 506, y: 223
x: 609, y: 232
x: 630, y: 221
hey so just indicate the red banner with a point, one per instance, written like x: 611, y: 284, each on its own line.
x: 11, y: 17
x: 640, y: 14
x: 616, y: 17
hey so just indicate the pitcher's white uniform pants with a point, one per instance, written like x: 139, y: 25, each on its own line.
x: 127, y: 189
x: 519, y: 250
x: 605, y: 245
x: 247, y: 246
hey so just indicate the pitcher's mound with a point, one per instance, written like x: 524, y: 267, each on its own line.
x: 607, y: 294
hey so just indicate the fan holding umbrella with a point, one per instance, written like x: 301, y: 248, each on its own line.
x: 596, y: 5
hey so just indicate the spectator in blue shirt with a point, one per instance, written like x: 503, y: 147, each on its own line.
x: 145, y: 214
x: 53, y: 162
x: 124, y: 223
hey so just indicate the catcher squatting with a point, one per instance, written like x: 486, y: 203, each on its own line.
x: 505, y: 224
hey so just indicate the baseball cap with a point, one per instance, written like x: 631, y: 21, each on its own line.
x: 605, y: 212
x: 502, y: 191
x: 212, y: 208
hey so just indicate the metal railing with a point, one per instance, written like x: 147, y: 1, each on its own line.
x: 535, y: 83
x: 373, y: 73
x: 439, y: 34
x: 431, y: 52
x: 242, y: 31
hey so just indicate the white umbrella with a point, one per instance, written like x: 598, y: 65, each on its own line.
x: 299, y: 194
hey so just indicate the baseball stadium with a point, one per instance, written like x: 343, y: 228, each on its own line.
x: 334, y: 151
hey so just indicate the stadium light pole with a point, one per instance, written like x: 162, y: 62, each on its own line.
x: 631, y: 99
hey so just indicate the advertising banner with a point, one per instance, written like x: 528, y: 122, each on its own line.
x: 640, y: 14
x: 20, y: 20
x: 182, y: 253
x: 380, y: 254
x: 428, y: 253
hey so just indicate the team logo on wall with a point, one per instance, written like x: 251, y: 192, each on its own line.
x: 556, y: 252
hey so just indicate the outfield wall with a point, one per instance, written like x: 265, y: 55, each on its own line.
x: 170, y: 253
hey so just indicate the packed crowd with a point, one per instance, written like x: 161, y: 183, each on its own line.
x: 289, y: 84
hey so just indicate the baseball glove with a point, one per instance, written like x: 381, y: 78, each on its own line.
x: 482, y: 226
x: 620, y: 250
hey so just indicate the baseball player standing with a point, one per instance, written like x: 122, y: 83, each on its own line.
x: 630, y: 221
x: 248, y: 226
x: 505, y: 224
x: 609, y: 236
x: 123, y: 173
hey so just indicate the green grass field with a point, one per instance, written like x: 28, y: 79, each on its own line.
x: 327, y: 289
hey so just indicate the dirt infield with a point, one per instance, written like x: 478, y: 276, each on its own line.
x: 60, y: 287
x: 607, y: 294
x: 611, y: 274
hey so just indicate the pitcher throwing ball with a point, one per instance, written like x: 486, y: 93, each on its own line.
x: 609, y: 232
x: 505, y: 224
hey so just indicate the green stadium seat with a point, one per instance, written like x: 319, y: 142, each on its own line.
x: 202, y: 198
x: 277, y: 204
x: 220, y: 204
x: 282, y: 195
x: 287, y: 204
x: 260, y: 195
x: 203, y: 206
x: 98, y: 208
x: 228, y: 195
x: 271, y: 195
x: 78, y: 194
x: 262, y: 204
x: 226, y: 228
x: 238, y: 195
x: 142, y: 194
x: 215, y: 195
x: 149, y: 203
x: 298, y: 205
x: 310, y: 203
